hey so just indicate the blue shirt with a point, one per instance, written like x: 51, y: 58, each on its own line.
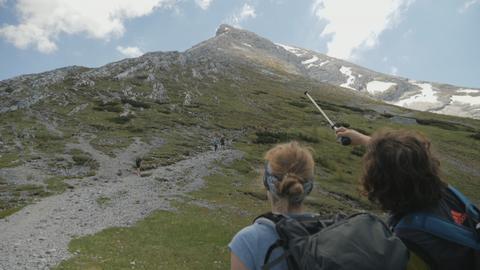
x: 251, y: 244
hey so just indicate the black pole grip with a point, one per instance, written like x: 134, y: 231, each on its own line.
x: 345, y: 140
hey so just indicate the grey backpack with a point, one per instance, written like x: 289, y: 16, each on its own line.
x: 360, y: 241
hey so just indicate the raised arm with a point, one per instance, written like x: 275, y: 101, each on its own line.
x: 356, y: 137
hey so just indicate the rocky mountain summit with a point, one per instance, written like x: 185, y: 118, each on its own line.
x: 418, y: 95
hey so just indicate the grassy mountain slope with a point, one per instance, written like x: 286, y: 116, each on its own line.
x: 195, y: 237
x: 256, y: 105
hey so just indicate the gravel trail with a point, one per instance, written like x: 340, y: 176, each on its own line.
x: 37, y: 237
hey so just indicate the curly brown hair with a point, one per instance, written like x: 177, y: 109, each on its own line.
x: 400, y: 172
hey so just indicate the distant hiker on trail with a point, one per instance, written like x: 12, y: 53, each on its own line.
x: 280, y: 240
x: 434, y: 220
x: 138, y: 165
x: 222, y: 141
x: 215, y: 142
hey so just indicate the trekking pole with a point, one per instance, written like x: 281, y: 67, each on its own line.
x: 343, y: 140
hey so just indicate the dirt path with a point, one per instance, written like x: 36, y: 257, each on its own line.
x: 37, y: 237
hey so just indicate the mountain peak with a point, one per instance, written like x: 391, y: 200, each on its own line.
x: 223, y: 28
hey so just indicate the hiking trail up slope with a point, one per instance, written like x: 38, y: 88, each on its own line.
x: 37, y: 237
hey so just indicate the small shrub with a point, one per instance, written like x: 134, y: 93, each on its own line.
x: 141, y: 76
x: 267, y: 137
x: 103, y: 200
x: 358, y: 151
x: 444, y: 125
x: 306, y: 138
x: 325, y: 163
x: 475, y: 136
x: 112, y: 106
x: 80, y: 159
x: 260, y: 92
x: 298, y: 104
x: 387, y: 115
x: 342, y: 124
x: 136, y: 103
x: 121, y: 119
x: 56, y: 184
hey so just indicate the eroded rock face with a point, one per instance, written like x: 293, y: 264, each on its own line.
x: 85, y: 82
x: 159, y: 94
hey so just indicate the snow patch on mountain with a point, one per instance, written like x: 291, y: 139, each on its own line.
x: 294, y: 50
x: 326, y: 62
x: 425, y: 100
x: 466, y: 99
x: 311, y: 60
x: 468, y: 91
x: 318, y: 65
x: 347, y: 71
x: 375, y: 87
x: 248, y: 45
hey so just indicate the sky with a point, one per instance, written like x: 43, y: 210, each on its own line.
x: 428, y: 40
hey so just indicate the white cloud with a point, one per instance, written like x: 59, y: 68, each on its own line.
x: 130, y: 51
x: 42, y: 21
x: 203, y: 4
x: 393, y: 70
x: 354, y: 24
x: 468, y: 4
x: 246, y: 12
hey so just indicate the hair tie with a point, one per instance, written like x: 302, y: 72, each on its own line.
x: 270, y: 180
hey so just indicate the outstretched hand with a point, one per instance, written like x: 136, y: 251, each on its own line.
x: 356, y: 137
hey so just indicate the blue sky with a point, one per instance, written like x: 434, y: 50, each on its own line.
x: 420, y: 39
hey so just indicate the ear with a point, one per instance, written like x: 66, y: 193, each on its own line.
x: 269, y: 195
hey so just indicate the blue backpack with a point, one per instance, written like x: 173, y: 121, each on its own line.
x: 446, y: 229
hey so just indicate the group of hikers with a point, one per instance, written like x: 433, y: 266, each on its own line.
x: 219, y: 141
x: 431, y: 225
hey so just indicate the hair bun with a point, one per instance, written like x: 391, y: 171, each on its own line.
x: 291, y: 185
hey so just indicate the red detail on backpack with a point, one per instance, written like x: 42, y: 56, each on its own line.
x: 458, y: 217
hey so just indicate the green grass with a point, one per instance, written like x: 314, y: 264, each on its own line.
x: 185, y: 234
x: 56, y: 184
x: 15, y: 197
x: 9, y: 211
x: 103, y: 200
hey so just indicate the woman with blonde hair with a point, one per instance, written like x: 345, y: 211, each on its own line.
x: 288, y: 179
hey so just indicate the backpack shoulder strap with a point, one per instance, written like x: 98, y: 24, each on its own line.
x: 273, y: 218
x: 441, y: 228
x: 470, y: 208
x: 270, y: 219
